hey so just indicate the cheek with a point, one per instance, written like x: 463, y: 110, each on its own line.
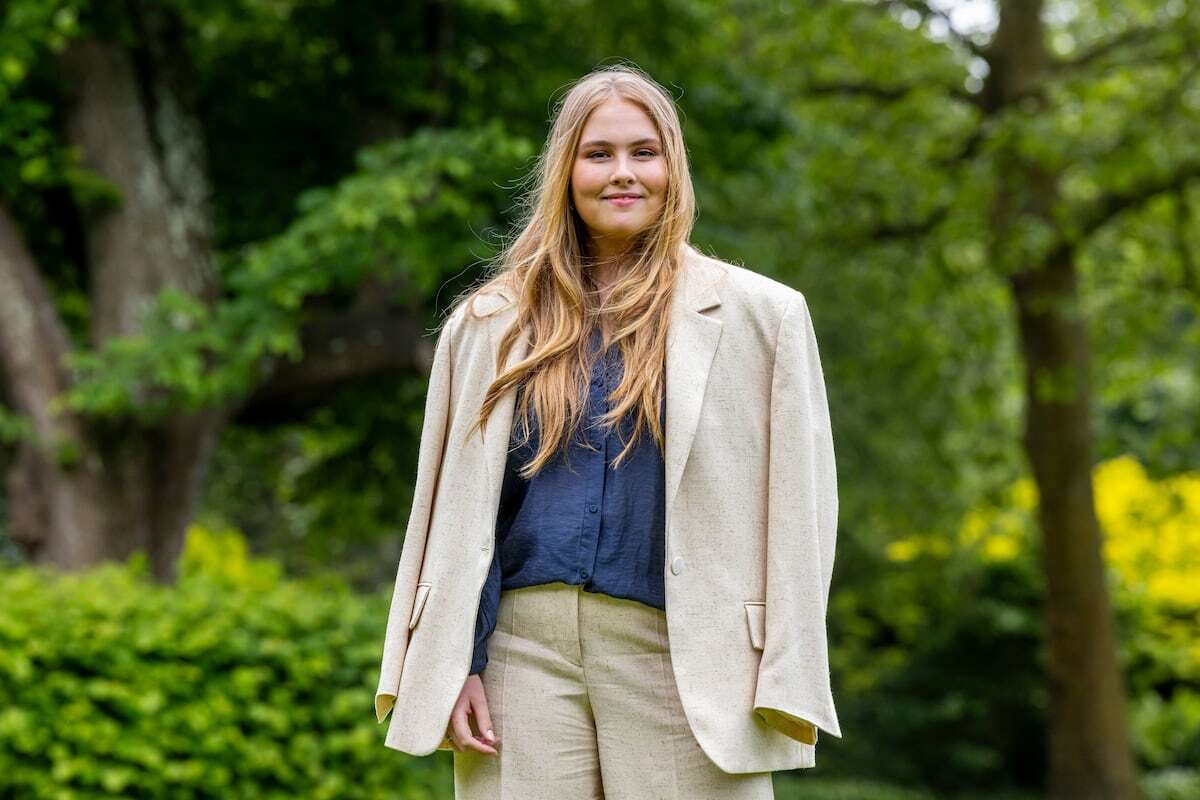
x: 583, y: 179
x: 660, y: 191
x: 657, y: 178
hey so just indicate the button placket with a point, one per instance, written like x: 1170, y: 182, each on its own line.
x: 602, y: 465
x: 595, y: 469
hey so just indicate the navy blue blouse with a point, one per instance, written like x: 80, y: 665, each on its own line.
x: 580, y: 520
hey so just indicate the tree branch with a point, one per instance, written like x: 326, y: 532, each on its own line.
x: 911, y: 229
x: 338, y: 348
x: 877, y: 92
x: 1137, y: 35
x: 1110, y: 205
x: 33, y: 339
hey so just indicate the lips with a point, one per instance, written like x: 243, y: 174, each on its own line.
x: 622, y: 199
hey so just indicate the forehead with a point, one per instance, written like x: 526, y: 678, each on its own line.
x: 618, y: 121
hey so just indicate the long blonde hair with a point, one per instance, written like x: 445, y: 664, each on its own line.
x: 557, y: 307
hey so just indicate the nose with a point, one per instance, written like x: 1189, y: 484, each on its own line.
x: 621, y: 171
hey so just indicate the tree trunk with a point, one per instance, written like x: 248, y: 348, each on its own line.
x: 53, y: 484
x: 132, y: 122
x: 1088, y: 743
x: 83, y: 491
x: 1089, y: 753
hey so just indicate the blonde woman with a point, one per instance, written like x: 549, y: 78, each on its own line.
x: 615, y: 573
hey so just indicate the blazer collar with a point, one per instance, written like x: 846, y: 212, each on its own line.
x: 692, y: 338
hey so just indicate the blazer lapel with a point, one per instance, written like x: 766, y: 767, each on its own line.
x: 692, y: 339
x: 691, y: 344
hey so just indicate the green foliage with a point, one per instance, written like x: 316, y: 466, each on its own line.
x: 234, y: 684
x: 241, y: 682
x: 1172, y: 784
x: 333, y: 488
x: 399, y: 218
x: 816, y: 789
x: 939, y: 673
x: 14, y: 427
x: 798, y: 786
x: 798, y: 174
x: 223, y: 557
x: 29, y: 153
x: 939, y: 640
x: 837, y: 129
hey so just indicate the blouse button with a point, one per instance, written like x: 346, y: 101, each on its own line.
x: 677, y: 565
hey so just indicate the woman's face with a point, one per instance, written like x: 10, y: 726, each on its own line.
x: 619, y: 155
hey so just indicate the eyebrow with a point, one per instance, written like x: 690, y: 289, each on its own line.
x: 606, y: 143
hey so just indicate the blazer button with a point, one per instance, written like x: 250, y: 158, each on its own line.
x: 677, y: 565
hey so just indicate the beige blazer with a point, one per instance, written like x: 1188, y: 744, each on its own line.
x: 751, y: 517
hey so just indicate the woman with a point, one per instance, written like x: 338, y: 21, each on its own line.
x: 621, y: 581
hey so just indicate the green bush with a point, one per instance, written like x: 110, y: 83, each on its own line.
x: 239, y: 682
x: 938, y: 645
x: 941, y: 680
x: 234, y: 684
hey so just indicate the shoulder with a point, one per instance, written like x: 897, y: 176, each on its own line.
x: 744, y: 287
x: 468, y: 321
x: 751, y: 302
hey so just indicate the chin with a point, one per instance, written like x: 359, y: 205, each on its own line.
x: 624, y: 230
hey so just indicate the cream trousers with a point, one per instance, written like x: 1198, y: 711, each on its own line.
x: 582, y: 696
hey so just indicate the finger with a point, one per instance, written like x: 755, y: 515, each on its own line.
x: 483, y: 719
x: 453, y: 730
x: 462, y: 732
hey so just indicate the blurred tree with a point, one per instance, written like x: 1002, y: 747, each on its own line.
x: 918, y: 179
x: 1041, y: 187
x: 119, y: 412
x: 80, y: 496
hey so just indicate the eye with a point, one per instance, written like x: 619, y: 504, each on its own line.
x: 644, y: 150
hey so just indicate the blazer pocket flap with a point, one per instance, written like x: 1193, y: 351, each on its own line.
x: 419, y: 604
x: 756, y: 620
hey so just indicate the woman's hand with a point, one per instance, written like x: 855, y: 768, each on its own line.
x: 471, y: 702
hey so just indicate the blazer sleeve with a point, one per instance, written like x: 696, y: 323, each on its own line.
x: 434, y: 429
x: 793, y: 691
x: 485, y: 622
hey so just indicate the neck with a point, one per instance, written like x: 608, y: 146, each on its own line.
x: 604, y: 261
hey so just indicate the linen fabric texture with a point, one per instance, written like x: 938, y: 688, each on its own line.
x: 581, y: 694
x: 750, y: 523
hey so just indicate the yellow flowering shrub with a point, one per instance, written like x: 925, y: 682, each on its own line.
x: 943, y: 638
x: 1151, y: 530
